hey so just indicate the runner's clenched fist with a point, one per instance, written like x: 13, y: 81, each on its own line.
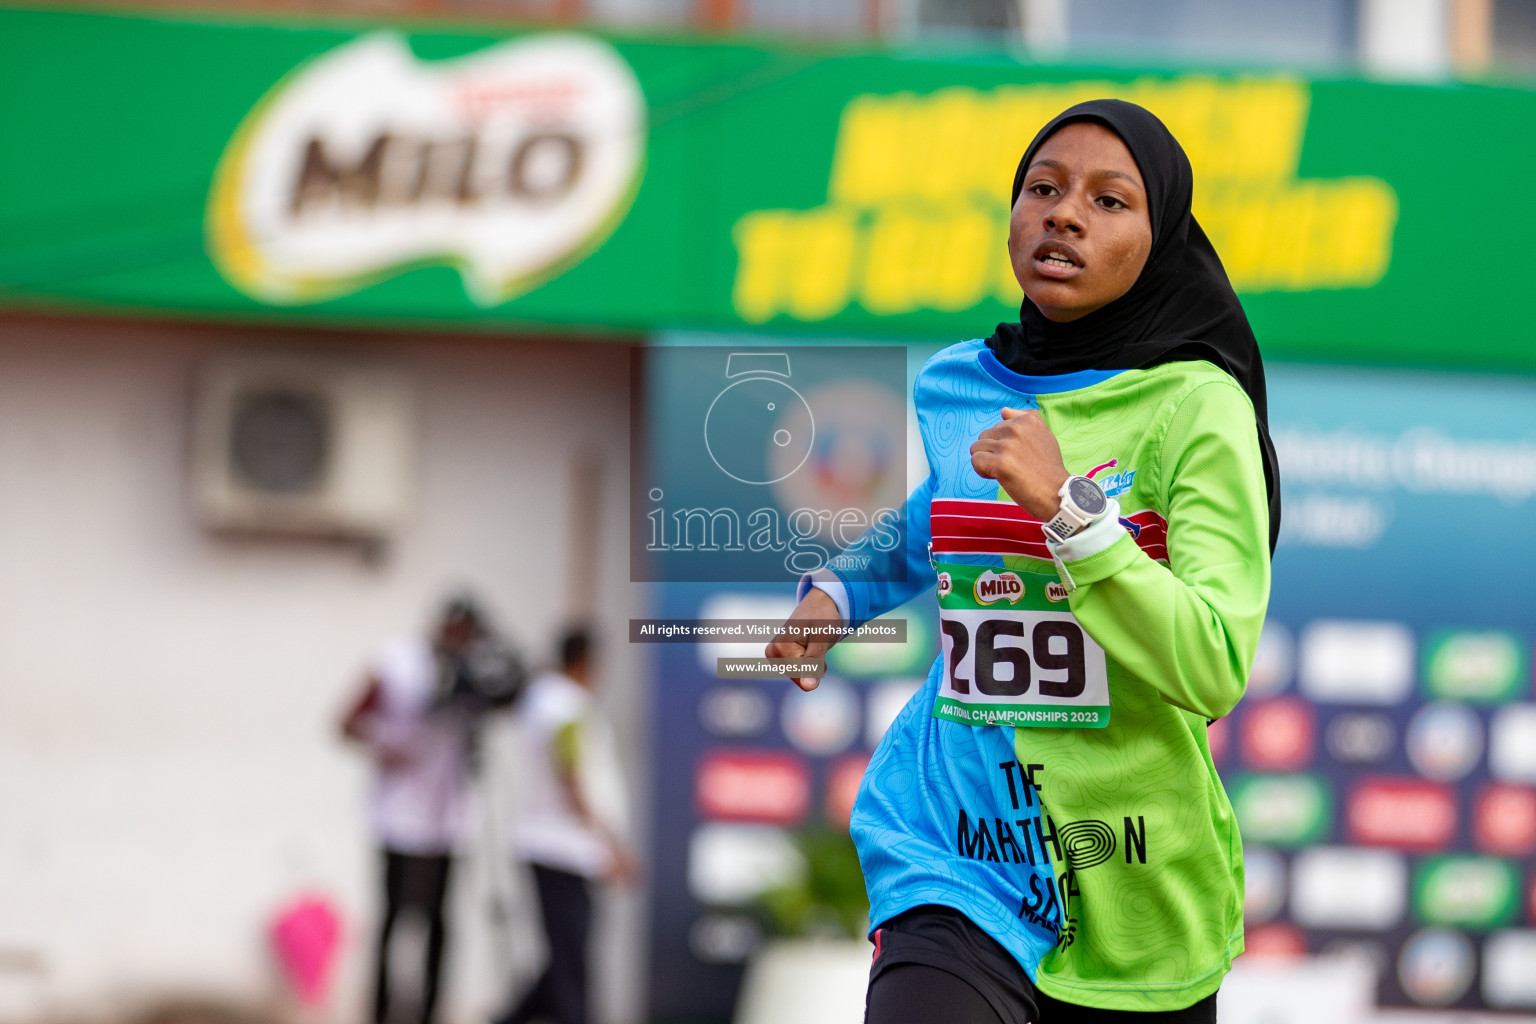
x: 1021, y: 453
x: 816, y: 607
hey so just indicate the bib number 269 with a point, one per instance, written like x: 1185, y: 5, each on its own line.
x: 1027, y: 667
x: 1005, y: 670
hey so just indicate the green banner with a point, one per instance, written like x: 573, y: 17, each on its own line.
x: 465, y: 178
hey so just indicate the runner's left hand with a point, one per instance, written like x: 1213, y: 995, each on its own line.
x: 815, y: 608
x: 1021, y: 453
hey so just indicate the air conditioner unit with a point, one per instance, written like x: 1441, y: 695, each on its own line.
x: 303, y: 445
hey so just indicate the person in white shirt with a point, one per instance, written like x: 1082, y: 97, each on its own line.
x: 570, y: 826
x: 419, y: 741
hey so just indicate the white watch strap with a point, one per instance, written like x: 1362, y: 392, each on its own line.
x: 1090, y: 540
x: 1064, y: 522
x: 1070, y: 519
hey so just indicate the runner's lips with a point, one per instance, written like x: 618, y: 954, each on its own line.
x: 1057, y: 261
x: 1060, y: 249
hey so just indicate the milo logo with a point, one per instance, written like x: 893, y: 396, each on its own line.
x: 946, y: 584
x: 1056, y: 592
x: 508, y: 164
x: 992, y: 587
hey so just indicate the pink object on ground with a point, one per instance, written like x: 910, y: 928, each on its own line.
x: 305, y: 935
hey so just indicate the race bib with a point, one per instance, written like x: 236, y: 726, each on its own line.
x: 1014, y: 654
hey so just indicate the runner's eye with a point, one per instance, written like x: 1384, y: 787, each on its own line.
x: 1043, y: 188
x: 1112, y: 203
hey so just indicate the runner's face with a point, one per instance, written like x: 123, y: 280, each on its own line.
x: 1080, y: 232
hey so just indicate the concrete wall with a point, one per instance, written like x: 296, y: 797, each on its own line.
x: 169, y: 768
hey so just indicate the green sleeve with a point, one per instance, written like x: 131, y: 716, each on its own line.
x: 567, y: 746
x: 1189, y: 629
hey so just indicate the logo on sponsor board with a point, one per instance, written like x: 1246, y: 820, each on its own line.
x: 824, y: 721
x: 508, y: 164
x: 1444, y: 741
x: 735, y: 711
x: 1361, y: 737
x: 1466, y: 892
x: 1484, y: 666
x: 1508, y: 981
x: 1436, y: 966
x: 1356, y: 662
x: 1349, y: 888
x: 1512, y: 743
x: 1504, y: 819
x: 1276, y: 942
x: 1403, y: 813
x: 1282, y: 810
x: 992, y: 587
x: 731, y: 863
x: 760, y: 786
x: 1278, y: 735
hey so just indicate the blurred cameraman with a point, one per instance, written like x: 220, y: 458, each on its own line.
x: 416, y: 716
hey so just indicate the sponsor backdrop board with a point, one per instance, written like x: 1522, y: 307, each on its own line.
x: 1383, y: 763
x: 347, y: 172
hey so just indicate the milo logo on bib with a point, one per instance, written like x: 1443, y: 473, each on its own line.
x: 1014, y: 655
x: 991, y: 587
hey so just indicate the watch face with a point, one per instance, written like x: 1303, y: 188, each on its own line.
x: 1086, y: 495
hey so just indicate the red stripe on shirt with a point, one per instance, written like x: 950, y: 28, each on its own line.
x: 1153, y: 537
x: 1002, y: 528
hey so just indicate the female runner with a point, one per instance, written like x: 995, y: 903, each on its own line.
x: 1042, y: 832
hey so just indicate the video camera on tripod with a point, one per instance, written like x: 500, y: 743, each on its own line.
x: 478, y: 670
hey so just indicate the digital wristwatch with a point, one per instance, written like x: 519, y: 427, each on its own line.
x: 1083, y: 503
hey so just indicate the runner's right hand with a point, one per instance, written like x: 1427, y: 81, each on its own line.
x: 816, y: 606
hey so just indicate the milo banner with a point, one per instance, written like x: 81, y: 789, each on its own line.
x: 509, y: 164
x: 475, y: 179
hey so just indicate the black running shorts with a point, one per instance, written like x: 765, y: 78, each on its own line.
x: 933, y: 965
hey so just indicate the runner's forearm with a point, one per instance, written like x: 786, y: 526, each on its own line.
x: 892, y: 575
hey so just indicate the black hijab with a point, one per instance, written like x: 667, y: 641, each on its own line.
x: 1181, y: 307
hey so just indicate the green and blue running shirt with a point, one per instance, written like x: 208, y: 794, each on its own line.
x: 1052, y: 779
